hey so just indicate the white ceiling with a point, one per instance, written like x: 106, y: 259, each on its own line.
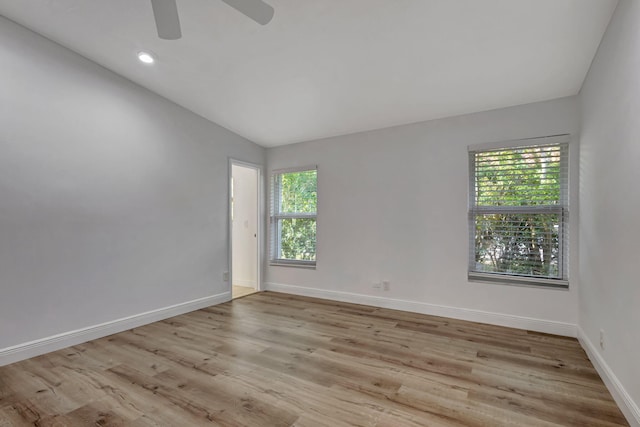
x: 330, y: 67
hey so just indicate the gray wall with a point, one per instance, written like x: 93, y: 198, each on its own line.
x: 610, y: 199
x: 393, y: 206
x: 113, y: 200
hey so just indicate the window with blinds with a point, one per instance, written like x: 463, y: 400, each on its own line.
x: 294, y: 206
x: 518, y: 216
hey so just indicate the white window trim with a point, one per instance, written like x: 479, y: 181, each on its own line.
x: 273, y: 221
x: 515, y: 279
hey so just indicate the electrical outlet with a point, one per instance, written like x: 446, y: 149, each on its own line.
x: 225, y: 276
x: 602, y: 339
x: 386, y: 285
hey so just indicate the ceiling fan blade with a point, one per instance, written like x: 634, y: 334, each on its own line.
x: 257, y: 10
x: 167, y: 21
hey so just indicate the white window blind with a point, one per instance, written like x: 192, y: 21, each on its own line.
x: 518, y: 216
x: 294, y: 205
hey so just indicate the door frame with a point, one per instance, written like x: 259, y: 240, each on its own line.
x: 259, y: 226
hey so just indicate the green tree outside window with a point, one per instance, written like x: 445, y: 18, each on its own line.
x: 295, y: 204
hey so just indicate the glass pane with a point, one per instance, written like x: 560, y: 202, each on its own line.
x: 525, y: 244
x: 519, y: 177
x: 299, y: 192
x: 297, y: 238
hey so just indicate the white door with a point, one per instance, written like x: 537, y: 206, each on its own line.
x: 244, y: 229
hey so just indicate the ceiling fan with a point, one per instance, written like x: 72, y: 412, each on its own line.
x: 165, y: 13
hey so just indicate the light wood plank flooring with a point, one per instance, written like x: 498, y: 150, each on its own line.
x: 271, y: 359
x: 241, y: 291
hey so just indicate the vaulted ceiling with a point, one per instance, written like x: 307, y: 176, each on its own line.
x: 329, y: 67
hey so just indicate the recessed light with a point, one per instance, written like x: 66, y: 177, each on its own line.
x: 146, y: 57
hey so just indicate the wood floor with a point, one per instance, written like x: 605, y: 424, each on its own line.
x: 271, y: 359
x: 241, y: 291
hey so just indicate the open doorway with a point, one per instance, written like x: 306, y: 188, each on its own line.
x: 245, y: 233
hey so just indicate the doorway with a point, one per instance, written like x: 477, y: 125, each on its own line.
x: 245, y: 228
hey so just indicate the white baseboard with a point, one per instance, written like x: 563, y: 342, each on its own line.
x: 56, y: 342
x: 628, y: 407
x: 519, y: 322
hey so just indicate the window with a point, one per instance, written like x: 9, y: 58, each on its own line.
x: 294, y: 204
x: 519, y: 212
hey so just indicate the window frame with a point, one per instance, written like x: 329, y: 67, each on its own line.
x: 274, y: 217
x: 562, y: 209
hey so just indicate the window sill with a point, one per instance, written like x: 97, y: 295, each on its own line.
x: 307, y: 265
x: 513, y: 280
